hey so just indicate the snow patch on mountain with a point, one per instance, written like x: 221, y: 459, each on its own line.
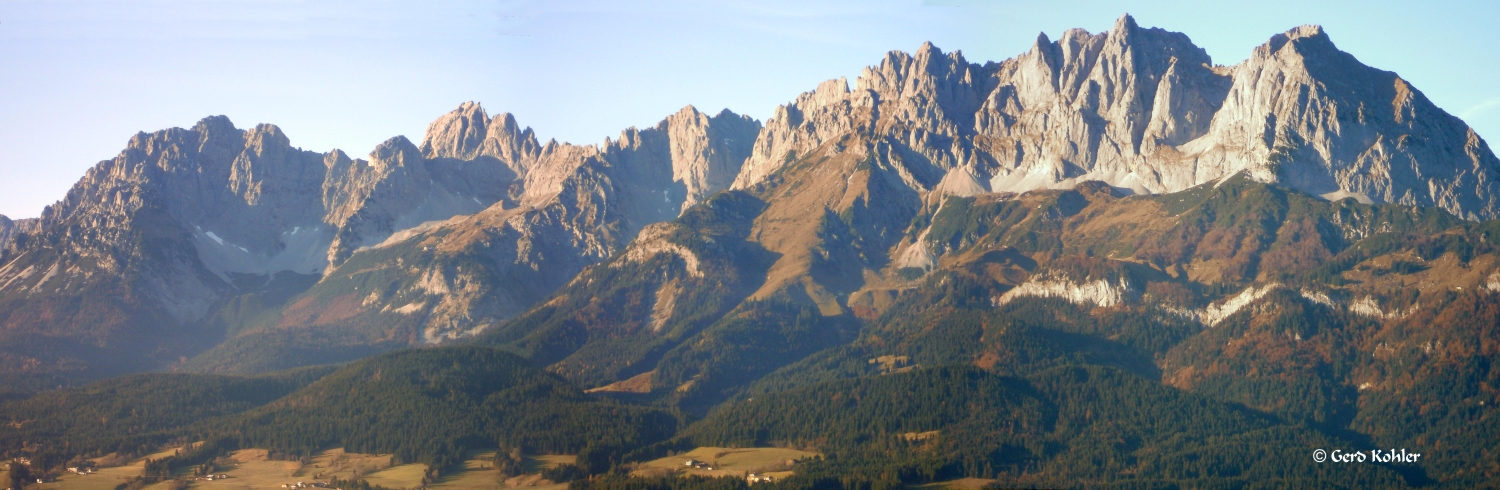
x: 303, y: 252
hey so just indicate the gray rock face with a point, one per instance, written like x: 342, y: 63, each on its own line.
x: 569, y: 207
x: 12, y: 232
x: 398, y: 189
x: 707, y: 151
x: 425, y: 242
x: 413, y: 258
x: 468, y: 134
x: 183, y: 218
x: 1146, y: 110
x: 1303, y: 113
x: 250, y: 203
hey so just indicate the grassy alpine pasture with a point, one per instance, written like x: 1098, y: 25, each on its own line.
x: 478, y: 473
x: 960, y: 484
x: 544, y: 461
x: 345, y: 465
x: 727, y: 462
x: 252, y: 469
x: 104, y: 478
x: 403, y: 476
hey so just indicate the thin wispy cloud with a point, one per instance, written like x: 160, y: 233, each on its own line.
x: 1481, y: 108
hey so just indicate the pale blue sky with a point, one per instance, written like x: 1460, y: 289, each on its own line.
x: 78, y: 78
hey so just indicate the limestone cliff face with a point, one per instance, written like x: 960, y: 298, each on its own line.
x: 12, y: 233
x: 569, y: 207
x: 1312, y: 117
x: 186, y: 219
x: 468, y: 133
x: 249, y: 203
x: 855, y: 176
x: 707, y: 151
x: 398, y: 189
x: 420, y: 243
x: 141, y: 216
x: 796, y: 129
x: 1146, y: 111
x: 7, y: 232
x: 562, y: 208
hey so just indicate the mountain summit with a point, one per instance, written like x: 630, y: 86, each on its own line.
x: 234, y: 242
x: 1146, y: 111
x: 192, y: 235
x: 1105, y: 262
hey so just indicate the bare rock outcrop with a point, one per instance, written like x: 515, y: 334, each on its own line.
x: 571, y: 207
x: 564, y: 208
x: 1305, y: 114
x: 427, y: 242
x: 1146, y: 111
x: 184, y: 220
x: 707, y: 151
x: 13, y: 233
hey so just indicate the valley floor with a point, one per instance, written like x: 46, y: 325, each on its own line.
x: 718, y: 461
x: 252, y: 469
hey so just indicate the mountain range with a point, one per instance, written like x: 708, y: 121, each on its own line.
x: 1300, y: 236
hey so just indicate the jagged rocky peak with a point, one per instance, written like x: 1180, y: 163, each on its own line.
x: 707, y: 151
x: 1146, y: 111
x: 1095, y: 105
x: 681, y: 160
x: 370, y: 200
x: 1305, y: 114
x: 575, y: 206
x: 336, y: 158
x: 269, y: 165
x: 218, y: 139
x: 926, y: 90
x: 795, y: 129
x: 1138, y: 61
x: 395, y: 153
x: 1312, y: 32
x: 457, y: 134
x: 468, y: 133
x: 241, y: 184
x: 11, y: 231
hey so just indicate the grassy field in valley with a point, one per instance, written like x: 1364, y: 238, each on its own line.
x: 104, y: 478
x: 252, y: 469
x: 960, y: 484
x: 728, y: 462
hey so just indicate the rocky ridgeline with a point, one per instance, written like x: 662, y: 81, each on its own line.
x: 185, y: 219
x: 481, y: 220
x: 568, y: 207
x: 10, y: 230
x: 1146, y: 111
